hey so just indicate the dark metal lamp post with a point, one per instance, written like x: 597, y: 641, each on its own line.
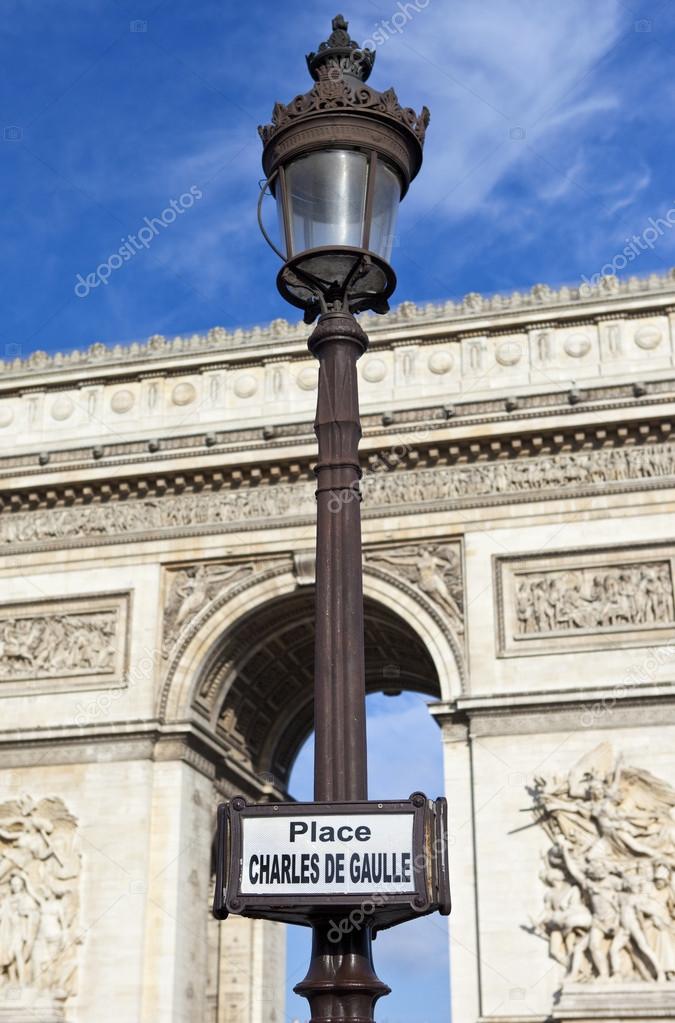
x: 338, y: 160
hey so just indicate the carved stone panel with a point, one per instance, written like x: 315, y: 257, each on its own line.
x: 608, y: 913
x: 191, y: 588
x: 55, y: 645
x: 585, y: 600
x: 433, y: 569
x: 39, y: 907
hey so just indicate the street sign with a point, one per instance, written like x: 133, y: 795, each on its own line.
x: 294, y: 861
x: 348, y: 854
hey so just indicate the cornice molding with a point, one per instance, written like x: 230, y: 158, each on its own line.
x: 252, y: 442
x: 536, y: 302
x: 603, y: 707
x: 188, y: 742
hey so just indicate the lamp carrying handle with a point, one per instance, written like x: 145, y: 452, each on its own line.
x: 263, y: 193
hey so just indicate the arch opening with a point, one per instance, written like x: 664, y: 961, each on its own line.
x: 263, y: 670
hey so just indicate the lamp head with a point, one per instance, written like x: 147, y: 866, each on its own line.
x: 338, y: 160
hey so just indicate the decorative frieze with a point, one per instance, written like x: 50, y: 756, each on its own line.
x: 63, y: 643
x: 608, y: 913
x: 587, y: 599
x: 480, y: 483
x: 562, y: 472
x: 463, y: 363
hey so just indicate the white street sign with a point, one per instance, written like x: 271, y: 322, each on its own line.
x: 346, y: 854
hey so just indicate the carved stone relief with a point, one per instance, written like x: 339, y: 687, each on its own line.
x: 191, y: 589
x: 582, y: 600
x: 435, y: 569
x: 80, y: 639
x: 172, y: 513
x: 609, y: 906
x: 39, y: 903
x: 559, y: 602
x: 409, y: 491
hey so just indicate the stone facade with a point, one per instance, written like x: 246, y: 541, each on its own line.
x: 156, y: 527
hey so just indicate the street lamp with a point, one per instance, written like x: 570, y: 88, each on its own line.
x: 338, y: 160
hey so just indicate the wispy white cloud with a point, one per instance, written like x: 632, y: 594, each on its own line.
x: 628, y: 187
x: 553, y: 189
x: 488, y: 70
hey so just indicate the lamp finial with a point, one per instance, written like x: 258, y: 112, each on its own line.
x: 341, y: 52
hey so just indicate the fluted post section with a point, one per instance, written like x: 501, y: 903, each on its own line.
x: 341, y: 984
x: 340, y: 770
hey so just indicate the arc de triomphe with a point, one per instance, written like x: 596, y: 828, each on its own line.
x: 156, y: 646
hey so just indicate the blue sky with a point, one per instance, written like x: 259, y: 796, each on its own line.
x: 550, y: 144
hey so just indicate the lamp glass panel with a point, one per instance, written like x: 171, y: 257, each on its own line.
x: 327, y: 198
x: 386, y: 199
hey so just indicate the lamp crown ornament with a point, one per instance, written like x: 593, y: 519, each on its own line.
x: 341, y: 54
x: 340, y: 69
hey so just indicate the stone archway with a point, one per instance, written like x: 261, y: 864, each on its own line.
x: 255, y: 689
x: 235, y: 607
x: 262, y: 671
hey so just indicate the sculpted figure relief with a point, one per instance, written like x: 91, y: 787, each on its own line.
x: 57, y: 644
x: 191, y: 589
x: 609, y: 908
x: 436, y: 570
x: 595, y: 598
x: 177, y: 512
x: 39, y: 902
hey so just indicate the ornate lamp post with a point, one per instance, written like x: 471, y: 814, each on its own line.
x: 338, y: 161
